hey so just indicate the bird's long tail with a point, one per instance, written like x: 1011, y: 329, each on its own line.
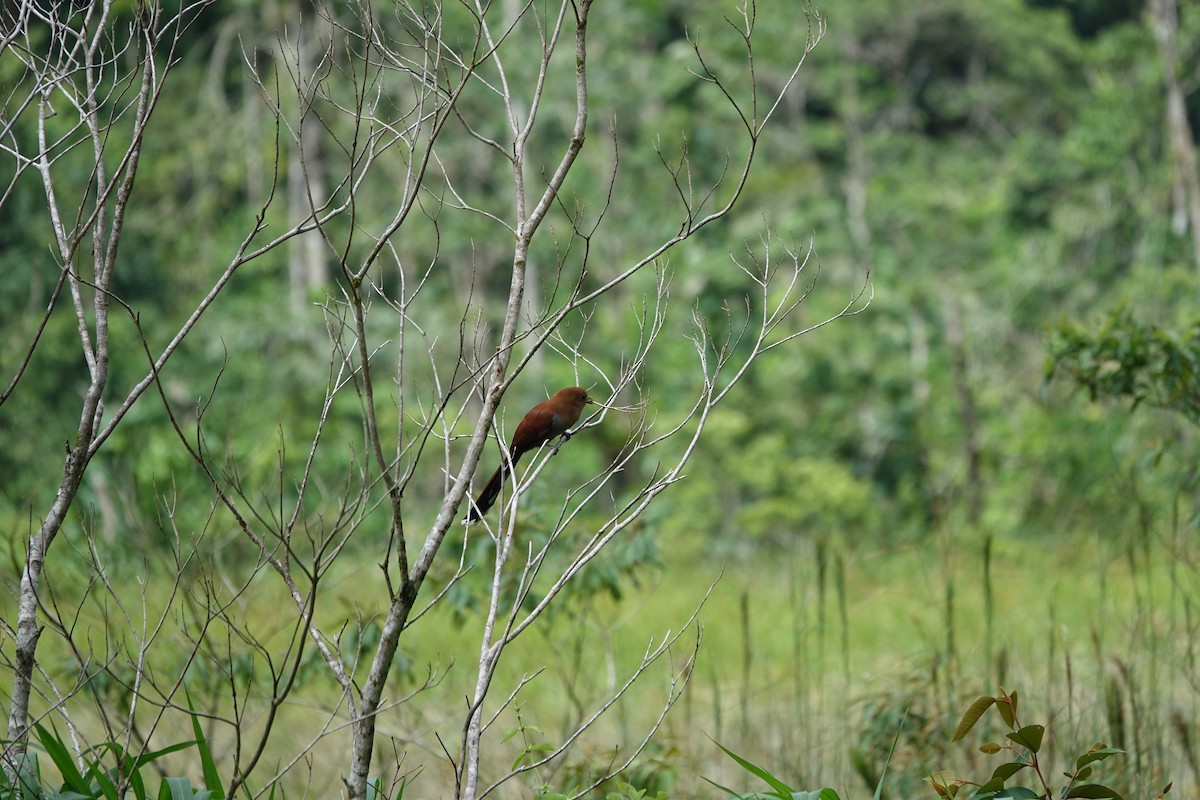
x: 491, y: 491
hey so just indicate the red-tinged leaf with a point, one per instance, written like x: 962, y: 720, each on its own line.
x: 942, y: 777
x: 942, y: 788
x: 972, y: 716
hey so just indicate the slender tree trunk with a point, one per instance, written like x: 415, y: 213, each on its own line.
x: 968, y: 412
x: 308, y: 266
x: 854, y: 183
x: 1164, y: 16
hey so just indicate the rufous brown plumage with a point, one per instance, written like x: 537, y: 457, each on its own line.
x: 544, y: 421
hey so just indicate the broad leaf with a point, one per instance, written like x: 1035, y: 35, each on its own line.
x: 1017, y: 793
x: 993, y: 785
x: 1006, y: 771
x: 1007, y: 709
x: 1030, y: 736
x: 1095, y: 791
x: 972, y: 716
x: 1097, y: 754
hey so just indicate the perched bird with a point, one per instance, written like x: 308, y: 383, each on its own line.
x: 544, y: 421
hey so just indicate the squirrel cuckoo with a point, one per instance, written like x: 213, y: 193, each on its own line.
x: 544, y: 421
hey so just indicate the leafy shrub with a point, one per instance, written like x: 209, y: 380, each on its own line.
x: 1023, y: 744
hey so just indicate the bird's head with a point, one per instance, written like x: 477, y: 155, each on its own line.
x: 576, y: 395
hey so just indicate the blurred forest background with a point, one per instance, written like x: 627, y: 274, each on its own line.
x: 946, y: 493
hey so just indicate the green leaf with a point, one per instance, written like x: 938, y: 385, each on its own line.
x: 1006, y: 771
x: 891, y: 752
x: 991, y: 786
x: 1017, y: 793
x: 135, y: 764
x: 212, y: 778
x: 107, y: 788
x: 136, y: 784
x: 989, y: 748
x: 724, y: 789
x: 1095, y: 791
x: 56, y: 748
x: 1007, y: 709
x: 1030, y: 736
x: 178, y: 788
x: 782, y: 789
x: 736, y: 795
x: 972, y: 716
x: 1097, y: 754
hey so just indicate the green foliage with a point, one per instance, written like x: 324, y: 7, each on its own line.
x: 532, y: 749
x: 1024, y: 745
x: 1011, y: 161
x: 106, y: 772
x: 779, y: 789
x: 627, y: 791
x: 653, y: 774
x: 644, y: 780
x: 1126, y: 359
x: 898, y: 730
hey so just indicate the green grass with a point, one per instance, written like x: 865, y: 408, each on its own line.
x: 812, y: 688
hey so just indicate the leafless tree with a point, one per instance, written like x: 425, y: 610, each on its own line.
x: 88, y: 88
x: 399, y: 105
